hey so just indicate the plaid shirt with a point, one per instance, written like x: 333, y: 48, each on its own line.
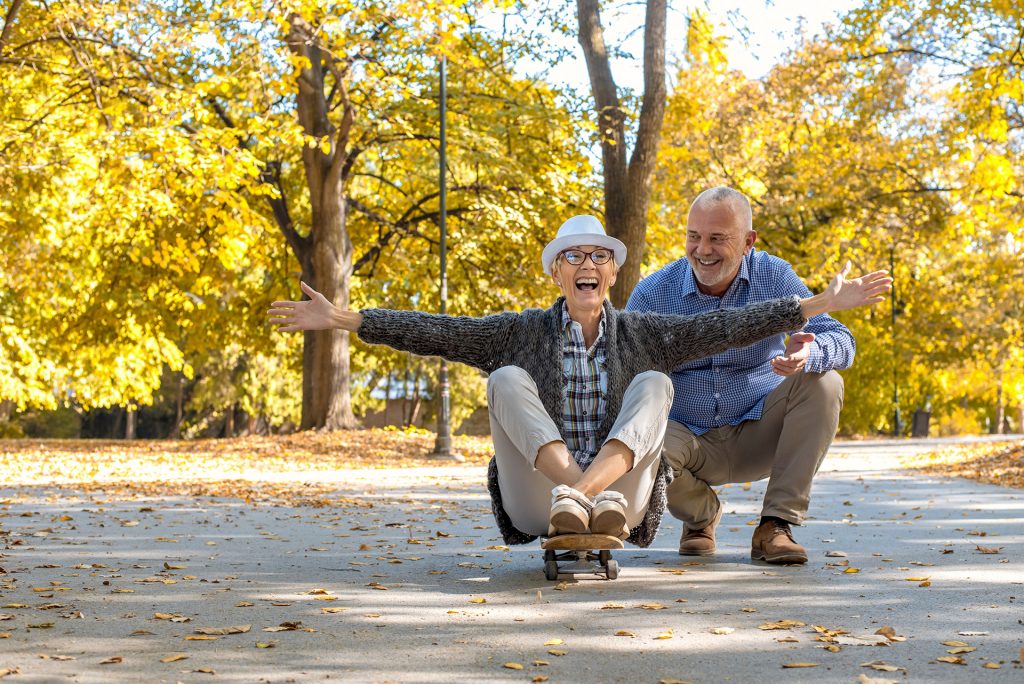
x: 586, y: 381
x: 729, y: 388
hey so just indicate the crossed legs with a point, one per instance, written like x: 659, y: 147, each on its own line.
x: 532, y: 457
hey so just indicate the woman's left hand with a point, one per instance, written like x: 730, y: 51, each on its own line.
x: 843, y: 293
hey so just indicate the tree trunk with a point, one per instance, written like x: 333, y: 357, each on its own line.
x: 129, y: 430
x: 627, y: 187
x: 6, y: 410
x: 229, y: 422
x: 1000, y: 408
x: 326, y: 254
x: 179, y: 409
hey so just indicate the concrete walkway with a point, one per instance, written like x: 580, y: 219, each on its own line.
x: 407, y: 581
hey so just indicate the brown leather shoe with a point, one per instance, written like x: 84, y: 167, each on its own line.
x: 700, y: 542
x: 773, y: 542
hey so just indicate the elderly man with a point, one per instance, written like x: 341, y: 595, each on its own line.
x: 769, y: 410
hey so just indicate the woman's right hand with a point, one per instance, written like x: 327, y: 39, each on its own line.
x: 316, y: 313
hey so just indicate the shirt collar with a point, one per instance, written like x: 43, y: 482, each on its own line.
x: 567, y: 321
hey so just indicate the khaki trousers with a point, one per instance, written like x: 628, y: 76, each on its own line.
x: 787, y: 445
x: 520, y: 427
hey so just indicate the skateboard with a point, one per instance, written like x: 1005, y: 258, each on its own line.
x: 580, y: 554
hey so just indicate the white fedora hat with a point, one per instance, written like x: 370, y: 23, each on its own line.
x: 579, y: 231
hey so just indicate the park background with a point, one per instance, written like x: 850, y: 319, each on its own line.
x: 168, y: 169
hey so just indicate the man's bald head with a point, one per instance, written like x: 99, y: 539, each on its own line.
x: 736, y: 201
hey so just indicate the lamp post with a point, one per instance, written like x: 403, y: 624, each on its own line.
x: 443, y: 443
x: 897, y: 427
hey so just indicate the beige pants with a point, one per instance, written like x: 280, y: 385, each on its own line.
x: 520, y: 427
x: 787, y: 445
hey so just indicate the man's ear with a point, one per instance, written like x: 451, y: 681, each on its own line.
x: 615, y: 274
x: 748, y: 241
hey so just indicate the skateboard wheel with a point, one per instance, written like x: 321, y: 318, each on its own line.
x: 551, y: 570
x: 612, y: 567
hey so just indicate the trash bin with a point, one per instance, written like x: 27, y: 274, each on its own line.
x: 919, y: 423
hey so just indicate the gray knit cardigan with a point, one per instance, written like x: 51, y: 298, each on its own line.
x: 635, y: 342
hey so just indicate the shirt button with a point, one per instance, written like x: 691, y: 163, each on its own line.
x: 718, y: 370
x: 718, y: 395
x: 718, y: 417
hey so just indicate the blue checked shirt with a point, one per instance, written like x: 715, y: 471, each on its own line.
x: 729, y: 388
x: 586, y: 381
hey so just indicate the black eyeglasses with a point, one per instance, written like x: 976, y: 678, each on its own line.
x: 575, y: 257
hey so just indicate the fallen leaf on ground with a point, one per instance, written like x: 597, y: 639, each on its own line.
x: 220, y: 631
x: 722, y: 630
x: 961, y: 649
x: 792, y: 665
x: 890, y: 634
x: 862, y: 640
x: 513, y: 666
x: 991, y: 666
x: 173, y: 658
x: 173, y: 617
x: 988, y: 549
x: 864, y: 679
x: 292, y: 626
x: 782, y: 624
x: 625, y: 633
x: 112, y: 660
x: 478, y: 600
x: 556, y: 652
x: 954, y: 643
x: 955, y: 660
x: 881, y: 666
x: 553, y: 642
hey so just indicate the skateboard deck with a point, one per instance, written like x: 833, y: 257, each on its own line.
x: 580, y: 554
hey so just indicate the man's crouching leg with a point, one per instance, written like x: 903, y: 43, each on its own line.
x: 802, y: 415
x: 697, y: 465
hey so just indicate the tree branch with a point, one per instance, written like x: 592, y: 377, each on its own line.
x: 12, y: 13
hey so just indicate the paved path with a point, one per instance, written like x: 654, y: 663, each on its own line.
x: 407, y: 582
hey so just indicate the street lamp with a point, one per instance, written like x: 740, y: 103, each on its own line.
x: 443, y: 443
x: 897, y: 423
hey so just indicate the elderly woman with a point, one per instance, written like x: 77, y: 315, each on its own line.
x: 578, y: 393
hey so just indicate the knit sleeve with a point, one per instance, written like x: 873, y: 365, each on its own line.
x: 685, y: 338
x: 475, y: 342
